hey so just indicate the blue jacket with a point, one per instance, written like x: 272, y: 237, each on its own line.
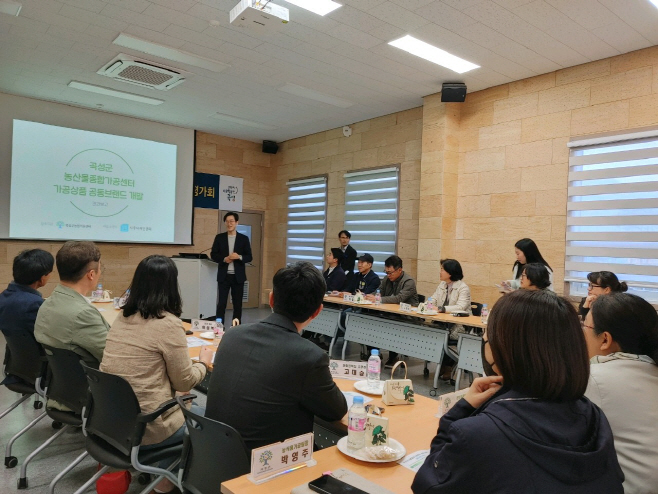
x: 516, y: 444
x: 365, y: 284
x: 335, y: 280
x: 19, y: 305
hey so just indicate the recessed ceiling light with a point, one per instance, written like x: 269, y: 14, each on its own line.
x: 320, y: 7
x: 305, y: 92
x: 433, y: 54
x: 10, y: 8
x: 111, y: 92
x: 655, y: 2
x: 169, y: 53
x: 241, y: 121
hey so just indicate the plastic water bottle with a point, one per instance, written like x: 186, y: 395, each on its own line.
x: 99, y: 291
x: 374, y: 369
x: 356, y: 424
x: 430, y: 304
x: 219, y: 329
x: 378, y: 297
x: 484, y: 315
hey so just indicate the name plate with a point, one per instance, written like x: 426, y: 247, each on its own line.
x: 202, y: 325
x: 405, y: 307
x: 344, y: 369
x: 348, y: 298
x: 277, y: 459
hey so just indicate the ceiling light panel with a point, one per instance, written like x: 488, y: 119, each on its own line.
x: 305, y: 92
x: 433, y: 54
x: 10, y: 8
x: 241, y: 121
x: 116, y: 94
x: 654, y: 2
x: 320, y: 7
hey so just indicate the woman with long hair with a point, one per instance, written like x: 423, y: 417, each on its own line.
x: 527, y: 252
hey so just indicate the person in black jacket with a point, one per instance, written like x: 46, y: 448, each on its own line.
x: 267, y: 381
x: 527, y: 427
x: 366, y: 281
x: 334, y: 276
x: 231, y: 251
x: 349, y: 256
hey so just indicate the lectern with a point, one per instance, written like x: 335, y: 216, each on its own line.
x: 198, y: 287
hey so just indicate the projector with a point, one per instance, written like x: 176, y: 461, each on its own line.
x: 259, y: 16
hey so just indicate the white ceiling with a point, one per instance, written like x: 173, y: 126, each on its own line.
x: 344, y: 54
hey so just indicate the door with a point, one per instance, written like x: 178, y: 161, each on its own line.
x: 251, y: 225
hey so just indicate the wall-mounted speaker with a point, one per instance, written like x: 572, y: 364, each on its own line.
x: 270, y: 147
x: 453, y: 92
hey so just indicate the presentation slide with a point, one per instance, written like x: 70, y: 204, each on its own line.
x: 69, y: 184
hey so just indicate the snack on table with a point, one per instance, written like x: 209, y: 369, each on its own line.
x: 380, y: 452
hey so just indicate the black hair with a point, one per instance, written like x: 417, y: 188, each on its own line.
x: 32, y: 264
x: 538, y: 345
x: 531, y: 253
x: 347, y: 234
x: 232, y: 213
x: 631, y: 320
x: 537, y: 274
x: 75, y: 259
x: 607, y: 279
x: 298, y: 291
x: 337, y: 253
x: 154, y: 289
x: 393, y: 262
x: 453, y: 268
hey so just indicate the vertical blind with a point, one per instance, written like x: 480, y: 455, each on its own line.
x: 307, y: 211
x: 371, y: 213
x: 612, y: 221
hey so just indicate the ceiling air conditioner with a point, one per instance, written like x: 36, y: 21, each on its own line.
x: 142, y: 73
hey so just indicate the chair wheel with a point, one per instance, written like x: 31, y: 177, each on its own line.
x: 11, y: 461
x: 144, y: 478
x: 22, y: 483
x: 426, y: 372
x: 57, y: 425
x: 38, y: 405
x: 433, y: 392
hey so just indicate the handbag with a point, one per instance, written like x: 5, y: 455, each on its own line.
x: 114, y: 482
x: 398, y: 391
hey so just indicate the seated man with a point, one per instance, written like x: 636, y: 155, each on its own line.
x: 396, y: 287
x: 366, y: 281
x: 67, y: 319
x: 334, y: 276
x: 20, y: 302
x: 267, y: 381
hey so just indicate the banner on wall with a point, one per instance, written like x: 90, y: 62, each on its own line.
x: 230, y: 193
x: 206, y: 191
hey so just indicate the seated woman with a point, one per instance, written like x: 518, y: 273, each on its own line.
x: 600, y: 283
x: 527, y: 427
x: 535, y: 277
x: 621, y: 331
x: 146, y: 345
x: 452, y: 293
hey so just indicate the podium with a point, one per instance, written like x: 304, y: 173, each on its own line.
x: 197, y: 279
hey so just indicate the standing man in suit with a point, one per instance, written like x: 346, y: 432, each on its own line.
x: 268, y: 382
x: 231, y: 251
x: 349, y: 256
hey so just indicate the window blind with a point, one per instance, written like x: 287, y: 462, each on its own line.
x: 371, y: 213
x: 307, y: 211
x: 612, y: 220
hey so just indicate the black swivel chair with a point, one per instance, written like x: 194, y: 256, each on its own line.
x: 214, y: 453
x: 24, y: 368
x: 66, y: 384
x: 114, y: 426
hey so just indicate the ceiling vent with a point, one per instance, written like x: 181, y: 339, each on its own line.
x: 142, y: 73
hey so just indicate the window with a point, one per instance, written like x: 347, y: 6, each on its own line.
x: 612, y: 220
x: 307, y: 211
x: 371, y: 213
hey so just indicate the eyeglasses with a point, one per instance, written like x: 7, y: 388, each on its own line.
x: 389, y: 271
x: 592, y: 285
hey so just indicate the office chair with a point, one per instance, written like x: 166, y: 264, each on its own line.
x: 114, y: 426
x: 213, y: 453
x: 24, y: 368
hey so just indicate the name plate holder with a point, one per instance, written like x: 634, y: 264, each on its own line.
x: 348, y: 298
x: 344, y: 369
x: 269, y: 462
x: 203, y: 325
x: 405, y: 307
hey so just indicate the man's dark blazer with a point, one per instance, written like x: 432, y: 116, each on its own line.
x: 19, y: 305
x: 334, y: 280
x: 349, y: 259
x: 220, y: 251
x: 365, y: 284
x: 268, y: 382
